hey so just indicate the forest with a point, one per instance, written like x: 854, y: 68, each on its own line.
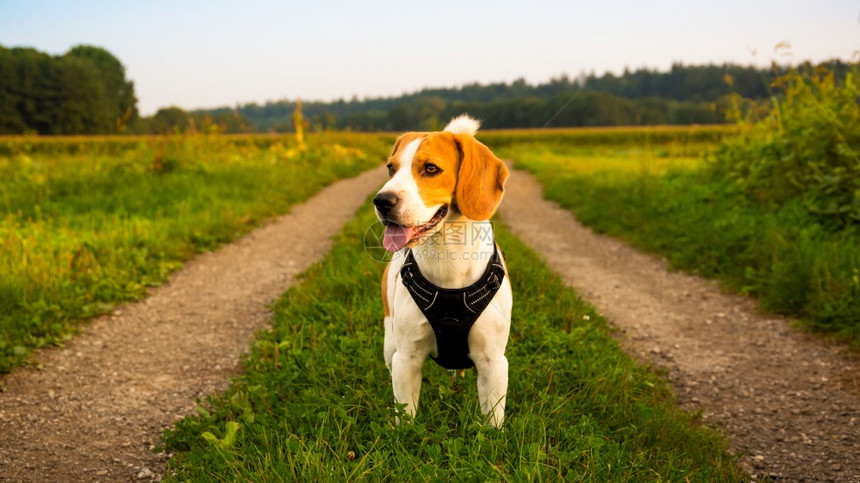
x: 86, y: 91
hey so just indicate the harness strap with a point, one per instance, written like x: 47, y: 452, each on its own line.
x: 452, y: 312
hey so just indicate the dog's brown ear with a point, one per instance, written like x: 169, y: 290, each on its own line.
x: 481, y: 179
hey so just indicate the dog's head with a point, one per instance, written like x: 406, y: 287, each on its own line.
x: 437, y: 176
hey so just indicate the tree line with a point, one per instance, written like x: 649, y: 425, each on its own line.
x: 682, y: 95
x: 85, y: 91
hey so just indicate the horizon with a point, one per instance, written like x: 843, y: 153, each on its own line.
x: 410, y: 92
x: 207, y: 55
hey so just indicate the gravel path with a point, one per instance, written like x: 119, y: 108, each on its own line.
x: 790, y: 403
x: 94, y: 409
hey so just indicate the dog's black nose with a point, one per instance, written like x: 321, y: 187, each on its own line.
x: 384, y: 202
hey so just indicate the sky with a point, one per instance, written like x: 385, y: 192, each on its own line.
x: 200, y: 54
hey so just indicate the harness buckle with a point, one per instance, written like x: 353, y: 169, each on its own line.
x: 407, y: 276
x: 494, y: 282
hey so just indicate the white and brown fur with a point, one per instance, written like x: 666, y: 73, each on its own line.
x: 432, y: 171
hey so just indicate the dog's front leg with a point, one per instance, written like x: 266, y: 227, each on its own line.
x: 406, y: 379
x: 389, y: 344
x: 493, y: 387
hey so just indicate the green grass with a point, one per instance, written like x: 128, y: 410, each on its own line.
x: 681, y: 137
x: 774, y: 212
x: 704, y: 223
x: 89, y: 222
x: 315, y: 400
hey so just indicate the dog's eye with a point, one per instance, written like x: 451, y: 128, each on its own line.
x: 390, y: 170
x: 431, y: 169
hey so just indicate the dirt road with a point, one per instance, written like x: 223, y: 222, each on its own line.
x: 94, y: 410
x: 789, y: 402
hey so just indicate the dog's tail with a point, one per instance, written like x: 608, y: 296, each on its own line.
x: 463, y: 124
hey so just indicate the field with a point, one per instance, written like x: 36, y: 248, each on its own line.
x: 90, y: 222
x: 766, y: 211
x: 600, y: 151
x: 315, y: 403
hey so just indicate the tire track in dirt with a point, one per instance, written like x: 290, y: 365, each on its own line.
x: 790, y: 403
x: 94, y: 409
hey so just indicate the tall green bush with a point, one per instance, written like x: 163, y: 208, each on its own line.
x: 805, y: 145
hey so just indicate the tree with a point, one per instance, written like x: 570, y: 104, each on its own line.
x: 11, y: 121
x: 81, y: 92
x: 170, y: 120
x: 120, y: 101
x: 79, y: 99
x: 35, y: 79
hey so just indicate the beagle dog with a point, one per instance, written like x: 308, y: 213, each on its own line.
x: 445, y: 292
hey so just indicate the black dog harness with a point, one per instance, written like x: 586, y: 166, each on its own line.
x: 452, y: 312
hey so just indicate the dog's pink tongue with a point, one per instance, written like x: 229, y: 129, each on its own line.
x: 396, y: 237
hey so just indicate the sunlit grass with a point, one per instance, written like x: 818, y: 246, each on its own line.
x: 315, y: 401
x: 665, y: 199
x: 676, y: 139
x: 86, y: 223
x: 631, y: 161
x: 621, y: 152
